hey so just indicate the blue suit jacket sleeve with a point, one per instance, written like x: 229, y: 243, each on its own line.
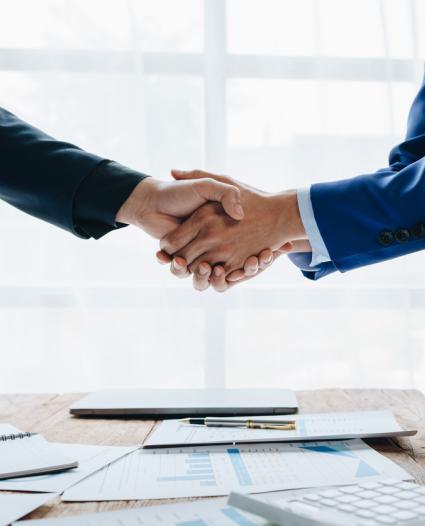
x: 39, y: 174
x: 379, y: 216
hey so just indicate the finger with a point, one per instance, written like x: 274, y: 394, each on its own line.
x: 179, y: 237
x: 299, y: 245
x: 201, y: 277
x: 236, y: 275
x: 218, y: 279
x: 229, y: 196
x: 162, y: 257
x: 251, y: 266
x: 265, y: 258
x: 179, y: 268
x: 198, y: 174
x: 213, y: 258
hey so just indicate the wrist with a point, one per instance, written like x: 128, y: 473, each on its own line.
x: 138, y: 203
x: 288, y: 217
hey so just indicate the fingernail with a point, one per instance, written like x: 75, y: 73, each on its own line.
x: 177, y: 265
x: 268, y: 259
x: 217, y: 272
x: 239, y: 210
x: 203, y: 270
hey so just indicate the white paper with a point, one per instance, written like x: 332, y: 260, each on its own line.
x: 320, y: 426
x: 90, y: 458
x: 203, y: 513
x: 216, y: 470
x: 13, y: 507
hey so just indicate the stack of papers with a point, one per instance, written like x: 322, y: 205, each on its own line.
x: 216, y: 470
x: 321, y: 426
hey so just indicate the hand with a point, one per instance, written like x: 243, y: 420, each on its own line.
x: 206, y: 275
x: 158, y: 207
x: 271, y: 221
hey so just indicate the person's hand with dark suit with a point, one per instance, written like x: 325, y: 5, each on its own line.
x: 159, y: 207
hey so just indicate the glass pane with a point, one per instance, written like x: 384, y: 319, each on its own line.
x: 163, y: 25
x: 271, y: 27
x: 352, y: 28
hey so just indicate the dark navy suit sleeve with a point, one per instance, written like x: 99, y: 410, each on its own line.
x: 100, y: 196
x: 58, y: 182
x: 376, y: 217
x: 38, y: 174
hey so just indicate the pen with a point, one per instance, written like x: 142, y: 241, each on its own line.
x: 282, y: 425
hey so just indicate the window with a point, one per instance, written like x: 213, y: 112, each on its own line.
x: 277, y: 93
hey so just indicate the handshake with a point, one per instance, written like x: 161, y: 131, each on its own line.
x: 212, y: 227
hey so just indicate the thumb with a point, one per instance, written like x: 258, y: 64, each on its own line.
x: 229, y: 196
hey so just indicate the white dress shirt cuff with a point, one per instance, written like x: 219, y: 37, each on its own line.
x: 319, y: 252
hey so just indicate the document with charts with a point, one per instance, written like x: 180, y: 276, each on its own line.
x: 90, y: 459
x: 216, y: 470
x: 320, y: 426
x: 201, y: 513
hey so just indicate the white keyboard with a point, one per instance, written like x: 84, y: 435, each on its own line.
x: 370, y: 504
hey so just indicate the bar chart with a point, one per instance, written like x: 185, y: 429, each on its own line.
x: 197, y: 467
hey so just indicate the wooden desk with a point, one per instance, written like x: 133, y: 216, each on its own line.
x: 48, y: 414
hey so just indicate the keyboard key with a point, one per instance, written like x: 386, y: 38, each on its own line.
x: 347, y: 499
x: 386, y: 499
x: 367, y: 485
x: 367, y: 494
x: 386, y: 519
x: 328, y: 502
x: 389, y: 482
x: 407, y: 485
x: 365, y: 514
x: 384, y: 509
x: 389, y: 490
x: 365, y: 504
x: 348, y: 508
x: 407, y: 495
x: 330, y: 493
x: 353, y: 489
x: 404, y: 505
x: 404, y: 515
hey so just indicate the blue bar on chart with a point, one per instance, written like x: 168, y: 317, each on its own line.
x: 198, y: 467
x: 239, y: 466
x: 234, y: 515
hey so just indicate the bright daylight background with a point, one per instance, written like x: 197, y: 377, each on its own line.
x: 274, y: 92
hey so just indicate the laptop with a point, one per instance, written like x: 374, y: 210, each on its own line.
x: 175, y: 403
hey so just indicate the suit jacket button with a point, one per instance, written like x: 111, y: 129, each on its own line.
x: 386, y: 237
x: 402, y: 235
x: 418, y: 231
